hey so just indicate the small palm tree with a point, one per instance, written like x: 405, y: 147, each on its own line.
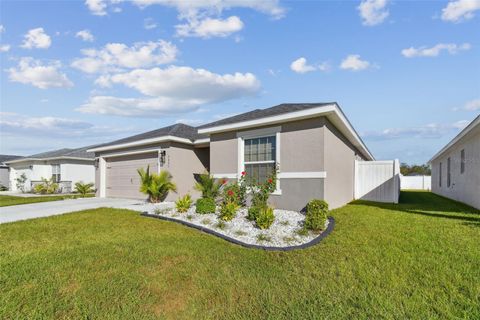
x: 207, y: 185
x: 156, y: 186
x: 84, y: 188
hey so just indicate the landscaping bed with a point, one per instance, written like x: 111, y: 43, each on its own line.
x: 287, y: 229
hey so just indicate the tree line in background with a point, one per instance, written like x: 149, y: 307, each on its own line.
x: 415, y: 169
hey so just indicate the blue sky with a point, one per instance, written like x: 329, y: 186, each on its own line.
x: 77, y: 73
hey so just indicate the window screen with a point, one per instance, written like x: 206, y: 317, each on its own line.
x: 260, y: 157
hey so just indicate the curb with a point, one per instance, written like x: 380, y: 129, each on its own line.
x: 331, y: 225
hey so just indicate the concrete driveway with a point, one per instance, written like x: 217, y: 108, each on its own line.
x: 52, y: 208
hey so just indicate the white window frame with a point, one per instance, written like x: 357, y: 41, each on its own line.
x: 259, y: 133
x: 59, y: 173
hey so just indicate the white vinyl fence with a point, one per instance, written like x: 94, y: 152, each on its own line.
x: 377, y: 180
x: 415, y: 182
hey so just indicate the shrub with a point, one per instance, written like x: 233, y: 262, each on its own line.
x: 205, y: 205
x: 84, y: 188
x: 20, y: 182
x: 3, y: 188
x: 316, y: 215
x: 156, y: 186
x: 46, y: 187
x: 228, y: 210
x: 265, y: 218
x: 261, y: 191
x: 208, y: 186
x: 231, y: 194
x: 183, y: 204
x: 252, y: 213
x: 264, y: 237
x: 221, y: 225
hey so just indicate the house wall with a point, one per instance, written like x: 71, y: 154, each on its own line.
x: 4, y: 176
x: 76, y: 172
x: 339, y: 157
x: 464, y: 187
x: 182, y: 161
x: 301, y: 151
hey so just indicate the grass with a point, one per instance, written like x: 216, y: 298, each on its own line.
x: 13, y: 200
x: 416, y: 260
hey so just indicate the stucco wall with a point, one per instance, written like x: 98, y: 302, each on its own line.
x: 339, y: 158
x: 223, y: 153
x: 464, y: 187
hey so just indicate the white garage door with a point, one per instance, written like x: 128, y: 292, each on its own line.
x: 122, y: 177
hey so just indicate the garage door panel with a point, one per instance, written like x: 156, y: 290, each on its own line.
x: 123, y: 180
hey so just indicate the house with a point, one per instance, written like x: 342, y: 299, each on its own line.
x: 313, y: 146
x: 5, y: 170
x: 65, y: 166
x: 456, y: 167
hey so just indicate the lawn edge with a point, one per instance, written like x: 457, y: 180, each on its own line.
x: 324, y: 234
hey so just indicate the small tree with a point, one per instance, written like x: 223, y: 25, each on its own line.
x: 20, y: 182
x: 208, y: 186
x: 46, y: 187
x: 156, y: 186
x: 84, y: 188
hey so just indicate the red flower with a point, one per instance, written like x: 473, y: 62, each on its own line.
x: 230, y: 192
x: 270, y: 181
x: 224, y: 181
x: 244, y: 173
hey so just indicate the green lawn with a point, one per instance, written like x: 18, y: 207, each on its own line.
x: 13, y: 200
x: 416, y: 260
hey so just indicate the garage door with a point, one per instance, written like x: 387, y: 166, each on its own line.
x: 122, y: 176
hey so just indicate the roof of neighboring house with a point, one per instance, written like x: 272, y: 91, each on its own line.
x: 474, y: 124
x: 262, y: 113
x: 179, y: 130
x: 65, y: 153
x: 7, y: 157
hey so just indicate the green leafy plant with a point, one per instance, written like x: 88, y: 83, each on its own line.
x: 3, y: 188
x: 316, y: 215
x: 20, y: 182
x: 252, y: 213
x: 265, y: 218
x: 240, y: 233
x: 228, y: 210
x: 264, y: 237
x: 84, y: 188
x: 205, y: 205
x: 261, y: 191
x: 231, y: 194
x: 302, y: 231
x: 46, y: 187
x: 221, y: 225
x: 183, y: 204
x: 156, y: 186
x: 208, y: 186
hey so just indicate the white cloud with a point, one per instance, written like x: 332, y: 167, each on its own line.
x: 4, y: 48
x: 2, y: 28
x: 300, y: 66
x: 170, y: 90
x: 30, y: 71
x: 460, y: 10
x: 85, y: 35
x: 209, y: 27
x: 434, y: 51
x: 354, y: 63
x: 149, y: 24
x: 373, y: 12
x: 432, y: 130
x: 97, y: 7
x: 472, y: 105
x: 116, y: 56
x: 36, y: 38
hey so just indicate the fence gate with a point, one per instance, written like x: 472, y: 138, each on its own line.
x: 377, y: 180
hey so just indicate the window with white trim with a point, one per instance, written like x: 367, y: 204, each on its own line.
x: 56, y: 173
x: 260, y: 157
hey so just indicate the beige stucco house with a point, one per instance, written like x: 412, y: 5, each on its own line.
x: 314, y: 147
x: 456, y: 167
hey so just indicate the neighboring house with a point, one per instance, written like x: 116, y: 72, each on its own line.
x: 5, y: 169
x: 313, y: 145
x: 64, y: 166
x: 456, y: 168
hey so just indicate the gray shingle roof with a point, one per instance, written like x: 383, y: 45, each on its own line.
x: 65, y: 152
x: 263, y: 113
x: 178, y: 130
x: 8, y: 157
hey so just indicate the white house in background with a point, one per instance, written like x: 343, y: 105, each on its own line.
x: 5, y: 169
x: 456, y: 168
x: 65, y: 166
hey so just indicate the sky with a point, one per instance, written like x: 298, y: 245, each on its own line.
x: 79, y: 73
